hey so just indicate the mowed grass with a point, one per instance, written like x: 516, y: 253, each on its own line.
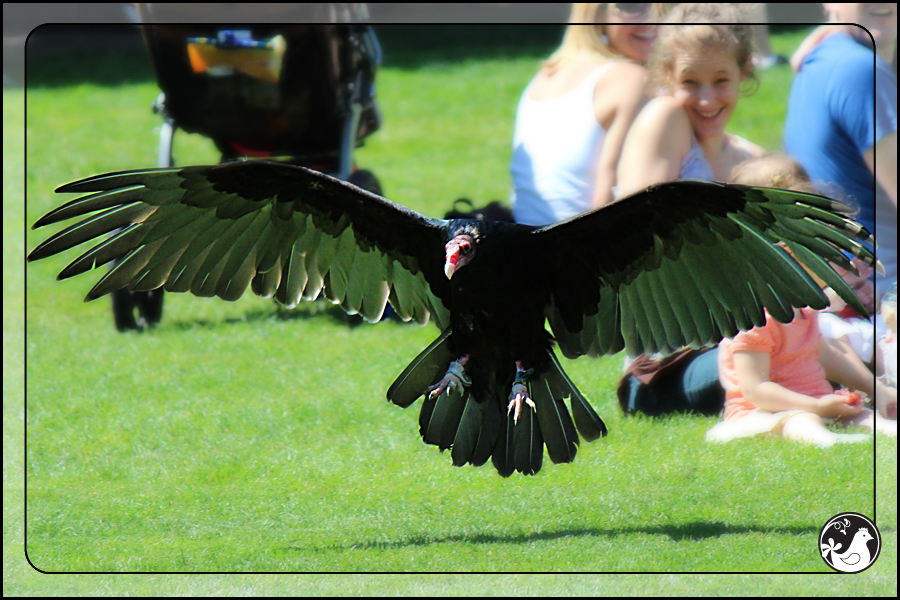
x: 240, y: 437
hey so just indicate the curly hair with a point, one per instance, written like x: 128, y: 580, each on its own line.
x: 773, y: 170
x: 778, y: 170
x: 691, y: 26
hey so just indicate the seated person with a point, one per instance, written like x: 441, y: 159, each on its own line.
x: 849, y: 331
x: 776, y: 379
x: 679, y: 136
x: 573, y: 116
x: 841, y: 120
x: 702, y: 61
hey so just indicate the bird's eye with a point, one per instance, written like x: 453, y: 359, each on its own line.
x: 465, y: 249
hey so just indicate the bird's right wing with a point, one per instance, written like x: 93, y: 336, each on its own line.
x: 288, y: 231
x: 689, y: 262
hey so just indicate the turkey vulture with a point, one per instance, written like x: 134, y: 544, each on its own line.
x: 680, y: 263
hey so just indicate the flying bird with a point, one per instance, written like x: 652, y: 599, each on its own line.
x: 679, y: 264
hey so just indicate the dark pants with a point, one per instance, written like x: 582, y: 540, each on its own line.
x: 692, y: 387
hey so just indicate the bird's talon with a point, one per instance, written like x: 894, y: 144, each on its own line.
x: 518, y: 396
x: 519, y: 392
x: 454, y: 379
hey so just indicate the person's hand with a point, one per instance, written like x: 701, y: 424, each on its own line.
x: 839, y: 405
x: 851, y: 397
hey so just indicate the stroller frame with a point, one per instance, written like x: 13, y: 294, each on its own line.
x: 351, y: 53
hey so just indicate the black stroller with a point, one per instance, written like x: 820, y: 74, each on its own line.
x: 302, y: 94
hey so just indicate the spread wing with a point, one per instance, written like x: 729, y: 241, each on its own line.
x: 686, y: 263
x: 286, y: 231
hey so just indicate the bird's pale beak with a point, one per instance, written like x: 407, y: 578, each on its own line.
x: 459, y: 252
x: 452, y: 263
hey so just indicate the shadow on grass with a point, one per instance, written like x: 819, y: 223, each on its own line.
x: 691, y: 531
x: 319, y: 309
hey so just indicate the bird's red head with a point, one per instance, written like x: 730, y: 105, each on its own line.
x: 460, y: 250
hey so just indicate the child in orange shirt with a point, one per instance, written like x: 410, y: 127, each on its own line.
x: 776, y: 381
x: 776, y: 377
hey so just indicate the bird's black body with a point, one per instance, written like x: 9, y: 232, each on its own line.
x: 681, y: 263
x: 497, y: 318
x: 497, y: 315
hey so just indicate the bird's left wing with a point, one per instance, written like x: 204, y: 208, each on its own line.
x: 287, y: 231
x: 686, y: 263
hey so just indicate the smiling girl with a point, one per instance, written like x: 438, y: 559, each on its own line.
x: 701, y: 62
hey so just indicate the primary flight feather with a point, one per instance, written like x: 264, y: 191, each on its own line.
x: 679, y: 264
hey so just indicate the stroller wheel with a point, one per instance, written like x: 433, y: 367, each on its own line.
x: 366, y: 180
x: 123, y: 310
x: 148, y: 305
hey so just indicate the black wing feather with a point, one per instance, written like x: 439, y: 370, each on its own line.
x: 690, y: 262
x: 282, y: 230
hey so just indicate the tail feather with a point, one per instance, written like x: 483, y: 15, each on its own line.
x: 504, y: 454
x: 471, y: 428
x: 425, y: 412
x: 554, y: 420
x: 589, y: 424
x: 444, y: 421
x: 490, y: 430
x: 473, y: 422
x: 528, y: 443
x: 426, y: 369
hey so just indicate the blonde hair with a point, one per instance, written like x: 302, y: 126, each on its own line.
x: 778, y: 171
x: 584, y: 35
x: 773, y: 170
x: 689, y: 26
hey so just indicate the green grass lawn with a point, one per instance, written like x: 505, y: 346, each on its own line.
x: 240, y: 437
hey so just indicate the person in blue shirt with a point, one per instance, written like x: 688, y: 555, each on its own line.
x: 842, y: 118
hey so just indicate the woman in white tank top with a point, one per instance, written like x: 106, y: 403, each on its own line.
x: 573, y: 116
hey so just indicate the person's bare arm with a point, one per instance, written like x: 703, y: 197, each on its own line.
x: 807, y: 45
x: 628, y: 97
x: 655, y: 146
x: 843, y: 366
x: 753, y: 371
x: 882, y: 160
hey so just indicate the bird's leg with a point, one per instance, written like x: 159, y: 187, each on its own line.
x: 519, y: 392
x: 455, y: 377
